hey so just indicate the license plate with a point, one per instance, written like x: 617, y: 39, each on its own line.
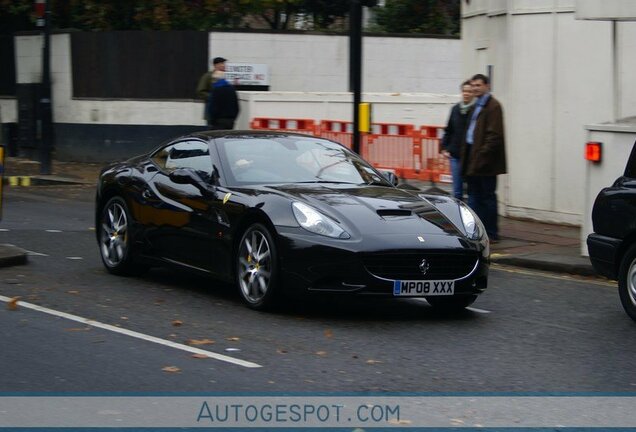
x: 418, y: 288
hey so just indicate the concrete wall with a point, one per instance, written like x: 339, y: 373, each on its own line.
x: 103, y: 130
x: 554, y: 74
x: 320, y: 63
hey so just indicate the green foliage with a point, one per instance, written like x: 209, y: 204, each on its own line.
x: 16, y: 15
x: 419, y: 16
x: 398, y: 16
x: 325, y: 12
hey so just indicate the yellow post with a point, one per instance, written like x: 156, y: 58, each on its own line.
x: 364, y: 109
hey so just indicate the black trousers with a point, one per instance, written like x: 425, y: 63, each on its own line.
x: 222, y: 124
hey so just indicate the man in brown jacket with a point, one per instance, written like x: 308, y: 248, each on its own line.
x: 484, y: 154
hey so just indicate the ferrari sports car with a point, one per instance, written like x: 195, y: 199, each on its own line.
x: 282, y: 213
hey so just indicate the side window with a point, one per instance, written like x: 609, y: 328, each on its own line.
x: 630, y: 169
x: 185, y: 154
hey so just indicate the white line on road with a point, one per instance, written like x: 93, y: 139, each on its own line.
x: 53, y: 231
x: 32, y: 253
x: 134, y: 334
x: 474, y: 309
x: 75, y: 258
x: 4, y: 229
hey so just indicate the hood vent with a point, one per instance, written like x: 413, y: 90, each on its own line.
x: 394, y: 212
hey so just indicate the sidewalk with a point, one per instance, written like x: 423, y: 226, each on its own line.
x: 523, y: 243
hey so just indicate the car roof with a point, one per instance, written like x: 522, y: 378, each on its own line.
x: 212, y: 134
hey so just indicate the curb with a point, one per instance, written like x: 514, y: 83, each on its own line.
x: 40, y: 180
x: 553, y: 265
x: 12, y: 255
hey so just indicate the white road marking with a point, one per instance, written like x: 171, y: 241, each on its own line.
x: 484, y: 311
x: 53, y: 231
x: 4, y: 230
x: 75, y: 258
x: 32, y: 253
x: 474, y: 309
x: 133, y: 334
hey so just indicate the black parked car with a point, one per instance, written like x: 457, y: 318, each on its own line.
x: 612, y: 246
x: 280, y: 212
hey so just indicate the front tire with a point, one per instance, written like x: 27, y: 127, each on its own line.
x: 451, y: 304
x: 115, y: 240
x: 627, y: 282
x: 257, y: 268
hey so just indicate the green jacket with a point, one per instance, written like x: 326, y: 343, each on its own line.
x: 204, y: 86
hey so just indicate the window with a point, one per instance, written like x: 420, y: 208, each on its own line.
x: 630, y: 169
x: 185, y: 154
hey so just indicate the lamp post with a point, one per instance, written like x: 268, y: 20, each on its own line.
x: 355, y: 66
x: 355, y: 63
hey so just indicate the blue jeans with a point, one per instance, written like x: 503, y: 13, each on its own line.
x: 458, y: 181
x: 482, y: 198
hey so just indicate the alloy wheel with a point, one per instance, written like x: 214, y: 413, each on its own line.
x: 255, y: 266
x: 631, y: 282
x: 114, y: 234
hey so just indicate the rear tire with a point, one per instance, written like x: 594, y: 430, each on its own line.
x: 257, y: 268
x: 115, y: 239
x: 451, y: 304
x: 627, y: 282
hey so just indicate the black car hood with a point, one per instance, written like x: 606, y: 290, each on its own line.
x: 378, y: 209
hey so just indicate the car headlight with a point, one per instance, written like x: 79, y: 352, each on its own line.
x: 473, y: 226
x: 317, y: 223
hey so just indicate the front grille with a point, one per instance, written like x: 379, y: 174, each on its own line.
x: 406, y: 266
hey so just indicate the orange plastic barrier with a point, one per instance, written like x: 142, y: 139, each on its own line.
x: 411, y: 153
x: 338, y: 131
x: 306, y: 126
x: 434, y: 166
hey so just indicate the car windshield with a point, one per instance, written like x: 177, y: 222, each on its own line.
x: 293, y: 159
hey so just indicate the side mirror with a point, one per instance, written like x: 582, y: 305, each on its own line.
x: 191, y: 177
x: 390, y: 176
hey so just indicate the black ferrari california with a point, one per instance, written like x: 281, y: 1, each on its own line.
x: 282, y: 213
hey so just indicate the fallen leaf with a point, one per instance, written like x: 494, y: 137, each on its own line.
x: 199, y: 342
x: 171, y: 369
x: 328, y: 333
x: 321, y: 353
x: 78, y: 329
x: 234, y: 339
x: 72, y: 292
x: 371, y: 361
x: 13, y: 303
x: 281, y: 351
x: 177, y: 323
x: 199, y: 356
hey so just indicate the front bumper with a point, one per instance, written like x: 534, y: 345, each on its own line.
x: 319, y: 264
x: 604, y: 254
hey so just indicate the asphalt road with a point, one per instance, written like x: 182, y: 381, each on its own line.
x: 530, y: 332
